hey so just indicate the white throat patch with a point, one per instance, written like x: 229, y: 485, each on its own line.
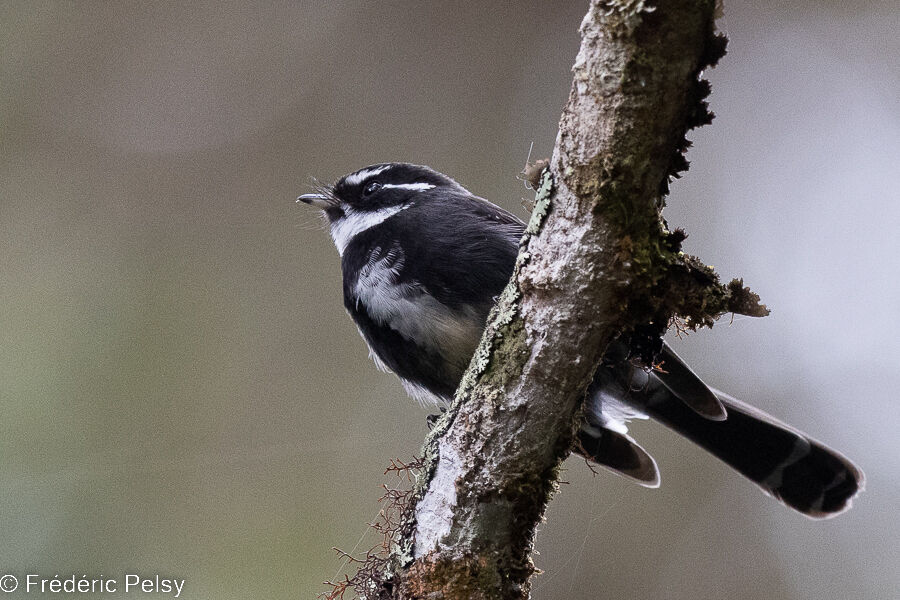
x: 354, y: 222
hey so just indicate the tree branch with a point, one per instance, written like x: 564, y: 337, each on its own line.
x: 596, y: 262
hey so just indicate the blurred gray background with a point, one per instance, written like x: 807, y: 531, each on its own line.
x: 182, y: 392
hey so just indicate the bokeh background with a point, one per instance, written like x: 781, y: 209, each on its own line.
x: 182, y: 392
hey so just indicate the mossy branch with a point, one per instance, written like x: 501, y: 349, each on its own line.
x: 596, y: 262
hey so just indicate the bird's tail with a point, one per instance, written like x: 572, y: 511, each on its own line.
x: 787, y: 464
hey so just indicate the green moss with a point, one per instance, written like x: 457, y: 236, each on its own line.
x: 541, y: 204
x: 509, y: 346
x: 652, y: 279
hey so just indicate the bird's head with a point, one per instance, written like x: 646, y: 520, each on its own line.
x: 376, y: 188
x: 368, y: 196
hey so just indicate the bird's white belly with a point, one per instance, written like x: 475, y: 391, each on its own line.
x: 408, y: 309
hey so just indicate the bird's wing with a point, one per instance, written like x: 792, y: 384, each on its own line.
x: 461, y: 251
x: 679, y: 379
x: 619, y: 453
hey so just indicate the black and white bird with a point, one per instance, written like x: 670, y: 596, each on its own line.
x: 423, y: 260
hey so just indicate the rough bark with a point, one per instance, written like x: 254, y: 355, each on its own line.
x: 596, y: 262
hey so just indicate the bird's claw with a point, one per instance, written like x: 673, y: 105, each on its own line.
x: 430, y: 420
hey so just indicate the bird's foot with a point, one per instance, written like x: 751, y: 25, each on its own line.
x: 430, y: 420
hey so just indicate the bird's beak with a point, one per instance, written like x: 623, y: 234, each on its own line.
x: 322, y: 201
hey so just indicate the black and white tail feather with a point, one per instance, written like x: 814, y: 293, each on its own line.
x: 423, y: 260
x: 785, y: 463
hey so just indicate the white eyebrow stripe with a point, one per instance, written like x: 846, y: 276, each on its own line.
x: 355, y: 222
x: 419, y: 187
x: 361, y: 176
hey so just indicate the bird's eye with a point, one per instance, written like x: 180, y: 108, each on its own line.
x: 371, y: 188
